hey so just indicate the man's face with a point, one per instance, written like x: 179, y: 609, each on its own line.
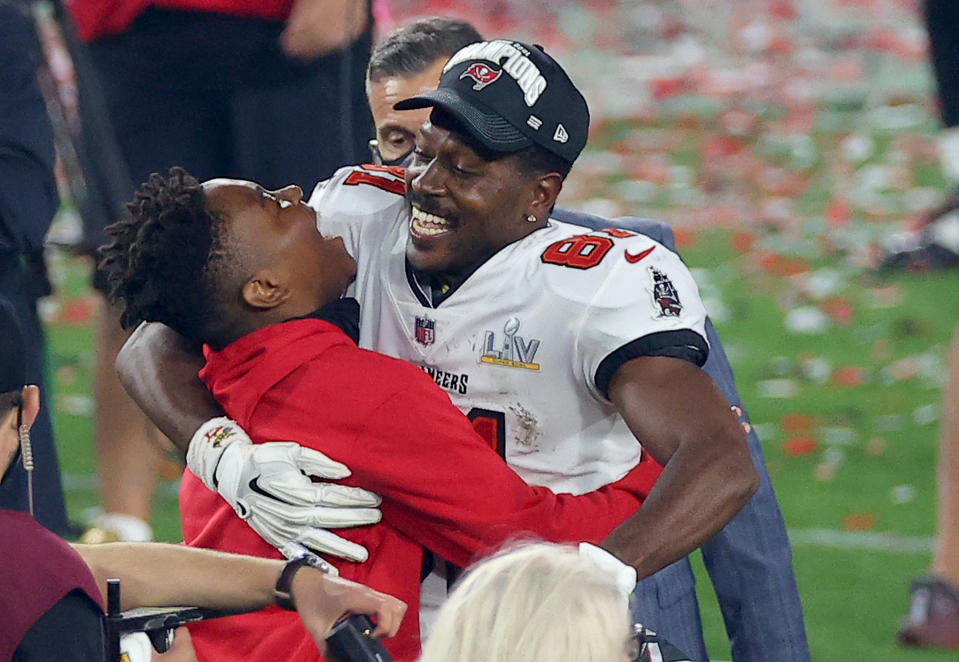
x: 396, y: 129
x: 464, y: 208
x: 275, y: 230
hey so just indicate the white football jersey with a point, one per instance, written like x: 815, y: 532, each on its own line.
x: 519, y: 344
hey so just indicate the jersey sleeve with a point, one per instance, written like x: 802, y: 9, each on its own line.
x: 638, y: 300
x: 357, y: 201
x: 443, y: 486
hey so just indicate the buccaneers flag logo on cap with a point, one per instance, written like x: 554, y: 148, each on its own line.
x: 483, y: 74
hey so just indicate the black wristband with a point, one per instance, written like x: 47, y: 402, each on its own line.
x: 283, y: 591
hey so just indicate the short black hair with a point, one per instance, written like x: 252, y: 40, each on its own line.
x: 412, y: 48
x: 166, y: 258
x: 539, y: 160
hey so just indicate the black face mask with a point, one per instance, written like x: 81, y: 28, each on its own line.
x: 402, y: 161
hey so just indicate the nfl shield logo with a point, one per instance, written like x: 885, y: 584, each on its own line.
x: 425, y: 331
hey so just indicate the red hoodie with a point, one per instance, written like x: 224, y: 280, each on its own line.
x: 102, y: 18
x: 443, y: 487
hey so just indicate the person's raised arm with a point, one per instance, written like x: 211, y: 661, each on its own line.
x: 319, y: 27
x: 682, y: 419
x: 267, y: 484
x: 157, y: 575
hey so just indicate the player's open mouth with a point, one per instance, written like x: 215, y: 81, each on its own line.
x: 425, y: 224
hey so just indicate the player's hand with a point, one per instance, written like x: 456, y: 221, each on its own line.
x: 136, y: 647
x: 322, y: 600
x: 318, y: 27
x: 269, y: 486
x: 625, y: 575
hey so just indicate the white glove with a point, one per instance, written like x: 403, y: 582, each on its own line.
x: 136, y: 647
x: 268, y: 485
x: 625, y: 575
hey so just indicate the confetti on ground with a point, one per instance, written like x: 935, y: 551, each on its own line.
x: 859, y: 522
x: 796, y: 446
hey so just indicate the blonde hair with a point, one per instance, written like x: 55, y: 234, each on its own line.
x: 538, y: 601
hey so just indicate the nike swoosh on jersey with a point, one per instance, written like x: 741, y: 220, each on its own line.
x: 255, y: 486
x: 633, y: 259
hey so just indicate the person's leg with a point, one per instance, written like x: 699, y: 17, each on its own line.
x: 945, y: 562
x: 933, y: 618
x: 940, y: 17
x: 126, y: 443
x: 936, y: 243
x: 157, y: 124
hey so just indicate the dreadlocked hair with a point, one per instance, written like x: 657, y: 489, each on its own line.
x: 163, y: 257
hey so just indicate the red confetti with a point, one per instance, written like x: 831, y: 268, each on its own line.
x: 839, y: 309
x: 848, y: 376
x: 794, y: 422
x: 684, y: 237
x: 780, y: 265
x: 838, y: 213
x: 663, y: 88
x: 783, y: 9
x: 859, y: 522
x: 742, y: 242
x: 798, y: 446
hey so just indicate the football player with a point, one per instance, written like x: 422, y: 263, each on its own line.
x: 749, y: 561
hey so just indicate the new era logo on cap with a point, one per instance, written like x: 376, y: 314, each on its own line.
x: 531, y: 90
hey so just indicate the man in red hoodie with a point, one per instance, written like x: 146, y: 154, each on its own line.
x: 244, y: 271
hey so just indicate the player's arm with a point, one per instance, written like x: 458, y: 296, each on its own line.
x: 157, y: 575
x: 158, y: 367
x: 685, y: 424
x: 445, y: 487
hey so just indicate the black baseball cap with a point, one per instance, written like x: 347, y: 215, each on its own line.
x: 510, y: 96
x: 13, y: 361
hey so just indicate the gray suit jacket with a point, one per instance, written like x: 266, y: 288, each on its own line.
x: 749, y: 561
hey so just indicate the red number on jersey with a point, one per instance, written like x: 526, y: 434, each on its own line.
x: 393, y: 182
x: 491, y: 426
x: 583, y: 251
